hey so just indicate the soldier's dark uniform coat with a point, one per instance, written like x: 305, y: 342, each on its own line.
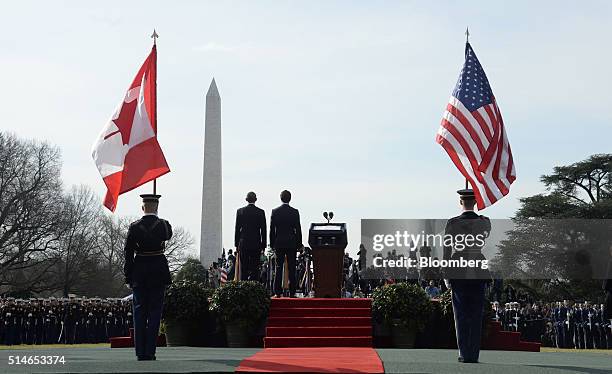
x: 147, y: 235
x: 473, y: 224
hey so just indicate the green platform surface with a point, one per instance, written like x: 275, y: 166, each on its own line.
x: 123, y: 360
x: 225, y: 360
x: 494, y: 362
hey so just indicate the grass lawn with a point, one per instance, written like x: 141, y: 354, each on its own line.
x: 549, y: 349
x: 53, y: 346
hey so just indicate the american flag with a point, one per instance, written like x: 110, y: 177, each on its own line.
x: 223, y: 275
x: 472, y: 133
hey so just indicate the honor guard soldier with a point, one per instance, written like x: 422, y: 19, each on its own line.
x: 147, y: 273
x: 557, y: 324
x: 467, y: 284
x: 589, y: 325
x: 9, y: 319
x: 578, y: 326
x: 71, y: 317
x: 605, y: 330
x: 516, y: 315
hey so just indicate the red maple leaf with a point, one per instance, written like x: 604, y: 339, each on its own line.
x: 124, y: 121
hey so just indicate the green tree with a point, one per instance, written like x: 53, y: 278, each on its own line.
x: 551, y: 237
x: 193, y: 271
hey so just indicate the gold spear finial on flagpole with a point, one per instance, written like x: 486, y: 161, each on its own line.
x: 154, y: 36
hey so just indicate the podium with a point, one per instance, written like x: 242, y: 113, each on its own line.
x: 328, y: 241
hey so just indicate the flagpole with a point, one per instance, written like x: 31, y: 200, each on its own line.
x: 155, y: 36
x: 467, y: 40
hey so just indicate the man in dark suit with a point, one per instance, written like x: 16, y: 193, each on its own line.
x: 146, y: 272
x: 250, y: 237
x: 285, y: 239
x: 467, y: 284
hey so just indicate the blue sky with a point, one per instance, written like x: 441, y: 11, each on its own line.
x: 338, y: 102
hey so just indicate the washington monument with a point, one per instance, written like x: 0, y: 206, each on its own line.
x: 211, y: 243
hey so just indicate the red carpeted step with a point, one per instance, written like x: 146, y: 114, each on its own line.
x: 505, y: 338
x: 320, y: 303
x: 507, y: 346
x: 325, y: 341
x: 529, y: 346
x: 498, y: 339
x: 128, y: 341
x: 500, y: 345
x: 319, y: 331
x: 495, y: 327
x: 312, y: 322
x: 121, y: 342
x: 320, y: 312
x: 512, y: 337
x: 318, y: 321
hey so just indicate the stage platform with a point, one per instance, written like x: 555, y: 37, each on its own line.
x: 225, y: 360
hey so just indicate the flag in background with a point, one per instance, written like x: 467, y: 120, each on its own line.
x: 126, y: 152
x: 472, y: 133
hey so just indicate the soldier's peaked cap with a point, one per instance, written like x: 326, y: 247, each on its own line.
x: 466, y: 194
x: 150, y: 198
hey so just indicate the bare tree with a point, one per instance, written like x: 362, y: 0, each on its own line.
x: 30, y: 196
x: 76, y: 253
x: 111, y: 240
x: 178, y: 247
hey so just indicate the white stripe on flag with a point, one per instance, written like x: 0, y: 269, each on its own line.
x: 466, y: 165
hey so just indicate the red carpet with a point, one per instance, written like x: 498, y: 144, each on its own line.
x: 128, y: 341
x: 313, y: 360
x: 312, y: 322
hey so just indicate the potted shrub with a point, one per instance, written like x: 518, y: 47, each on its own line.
x: 192, y: 270
x: 405, y: 308
x: 186, y: 313
x: 446, y: 305
x: 241, y: 306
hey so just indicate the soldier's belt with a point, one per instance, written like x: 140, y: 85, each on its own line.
x: 148, y: 254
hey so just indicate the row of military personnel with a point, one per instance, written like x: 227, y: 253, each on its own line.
x: 63, y: 320
x: 560, y: 324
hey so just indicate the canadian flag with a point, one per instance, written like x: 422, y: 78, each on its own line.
x: 126, y: 152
